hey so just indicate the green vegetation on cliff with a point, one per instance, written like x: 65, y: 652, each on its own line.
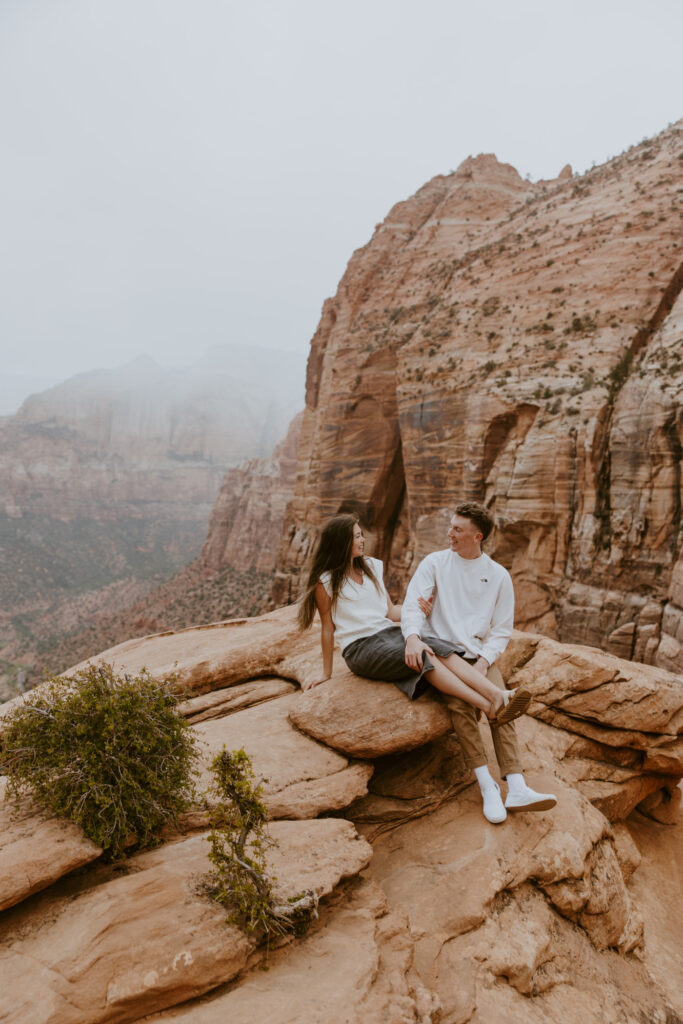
x: 106, y: 751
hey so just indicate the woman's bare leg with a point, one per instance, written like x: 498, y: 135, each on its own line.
x: 448, y: 682
x: 476, y: 679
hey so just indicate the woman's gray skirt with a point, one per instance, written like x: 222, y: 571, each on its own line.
x: 382, y: 656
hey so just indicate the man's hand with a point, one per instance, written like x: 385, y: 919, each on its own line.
x: 414, y: 649
x: 481, y: 665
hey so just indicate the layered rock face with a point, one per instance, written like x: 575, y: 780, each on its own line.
x: 108, y: 481
x: 520, y: 345
x: 231, y: 576
x: 427, y: 912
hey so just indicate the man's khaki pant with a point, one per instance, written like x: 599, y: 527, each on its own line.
x: 466, y: 728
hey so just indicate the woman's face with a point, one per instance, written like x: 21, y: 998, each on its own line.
x: 358, y: 542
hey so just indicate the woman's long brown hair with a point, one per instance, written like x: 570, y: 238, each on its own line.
x: 333, y: 555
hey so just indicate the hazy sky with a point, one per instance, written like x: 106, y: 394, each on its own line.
x: 176, y: 174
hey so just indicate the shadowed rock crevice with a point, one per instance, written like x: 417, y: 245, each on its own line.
x: 507, y: 430
x: 619, y: 376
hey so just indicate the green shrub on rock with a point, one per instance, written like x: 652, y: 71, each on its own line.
x: 109, y: 752
x: 239, y: 880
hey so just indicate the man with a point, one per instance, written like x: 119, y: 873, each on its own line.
x: 473, y: 604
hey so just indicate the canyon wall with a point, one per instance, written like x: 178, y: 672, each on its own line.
x: 246, y: 521
x: 232, y: 576
x: 107, y: 483
x: 519, y: 344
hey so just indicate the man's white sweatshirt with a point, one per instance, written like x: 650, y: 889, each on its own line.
x: 474, y: 602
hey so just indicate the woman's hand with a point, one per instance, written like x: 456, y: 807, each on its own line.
x: 414, y: 648
x: 316, y: 681
x: 426, y: 604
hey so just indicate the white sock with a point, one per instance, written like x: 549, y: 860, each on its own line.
x: 515, y: 781
x: 484, y: 778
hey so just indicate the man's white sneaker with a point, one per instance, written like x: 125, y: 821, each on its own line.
x: 494, y: 809
x: 529, y: 800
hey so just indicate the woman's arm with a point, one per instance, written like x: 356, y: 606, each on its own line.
x: 426, y: 605
x: 324, y: 606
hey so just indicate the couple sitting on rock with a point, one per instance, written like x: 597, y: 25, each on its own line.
x: 456, y: 593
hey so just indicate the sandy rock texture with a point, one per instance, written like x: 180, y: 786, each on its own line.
x: 519, y: 344
x: 356, y: 967
x: 303, y: 778
x: 35, y: 851
x: 428, y: 913
x: 618, y: 724
x: 364, y: 718
x: 147, y: 940
x: 540, y: 918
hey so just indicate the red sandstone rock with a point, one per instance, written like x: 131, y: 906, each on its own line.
x: 35, y: 851
x: 473, y: 918
x: 368, y: 719
x: 517, y: 344
x: 594, y: 700
x: 363, y: 955
x: 148, y: 940
x: 247, y: 517
x: 302, y: 778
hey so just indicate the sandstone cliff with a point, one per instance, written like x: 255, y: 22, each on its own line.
x: 428, y: 913
x: 520, y: 344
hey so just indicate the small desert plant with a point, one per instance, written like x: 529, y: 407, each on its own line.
x: 109, y: 752
x: 239, y: 880
x: 620, y: 371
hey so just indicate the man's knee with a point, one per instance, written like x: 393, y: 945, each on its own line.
x: 493, y: 675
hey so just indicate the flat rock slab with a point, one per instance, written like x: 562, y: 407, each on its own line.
x: 368, y: 719
x: 148, y: 940
x: 446, y: 869
x: 218, y: 655
x: 218, y: 703
x: 293, y: 992
x: 302, y: 778
x: 355, y: 968
x: 306, y: 800
x: 585, y: 683
x: 35, y: 851
x: 213, y: 657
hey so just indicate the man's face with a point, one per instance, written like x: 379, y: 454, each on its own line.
x: 464, y: 537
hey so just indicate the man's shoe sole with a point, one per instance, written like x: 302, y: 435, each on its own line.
x: 539, y: 805
x: 517, y: 706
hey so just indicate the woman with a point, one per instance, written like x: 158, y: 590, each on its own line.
x: 355, y: 609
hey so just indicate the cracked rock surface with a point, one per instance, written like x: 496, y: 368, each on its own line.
x: 428, y: 913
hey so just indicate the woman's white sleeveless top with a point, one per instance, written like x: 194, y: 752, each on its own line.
x: 360, y: 610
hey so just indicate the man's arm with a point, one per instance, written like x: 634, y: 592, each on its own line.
x: 421, y: 585
x: 413, y: 618
x: 501, y: 623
